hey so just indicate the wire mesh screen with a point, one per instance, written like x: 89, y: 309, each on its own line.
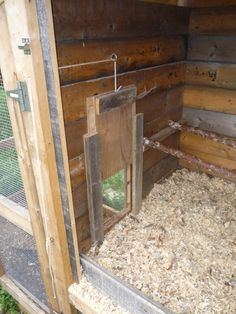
x: 11, y: 185
x: 18, y: 252
x: 20, y: 260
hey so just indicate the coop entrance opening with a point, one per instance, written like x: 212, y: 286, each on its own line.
x: 113, y: 158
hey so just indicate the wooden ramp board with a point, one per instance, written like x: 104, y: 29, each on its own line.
x: 118, y: 291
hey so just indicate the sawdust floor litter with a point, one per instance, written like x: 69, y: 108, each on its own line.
x: 181, y: 248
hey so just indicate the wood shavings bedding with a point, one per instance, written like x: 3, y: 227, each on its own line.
x: 95, y: 299
x: 181, y: 248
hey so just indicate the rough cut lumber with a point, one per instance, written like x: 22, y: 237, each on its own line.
x: 137, y: 167
x: 208, y: 146
x: 208, y: 98
x: 212, y: 48
x: 217, y: 122
x: 146, y: 80
x: 132, y: 54
x: 211, y: 74
x: 194, y: 3
x: 25, y: 303
x: 94, y: 19
x: 22, y: 22
x: 16, y: 214
x: 8, y: 70
x: 162, y: 169
x: 94, y: 185
x: 213, y: 21
x: 109, y: 101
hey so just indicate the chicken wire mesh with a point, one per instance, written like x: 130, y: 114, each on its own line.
x: 11, y: 185
x: 18, y: 253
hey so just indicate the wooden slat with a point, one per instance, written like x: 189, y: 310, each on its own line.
x: 212, y: 48
x: 211, y: 74
x: 146, y: 80
x: 211, y: 121
x: 197, y: 143
x: 213, y: 21
x: 84, y: 20
x: 25, y: 303
x: 194, y: 3
x: 2, y: 272
x: 131, y: 54
x: 110, y: 101
x: 16, y: 214
x: 94, y: 185
x: 57, y: 121
x: 207, y: 98
x: 137, y: 167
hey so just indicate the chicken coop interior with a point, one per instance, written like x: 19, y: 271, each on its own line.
x: 133, y: 104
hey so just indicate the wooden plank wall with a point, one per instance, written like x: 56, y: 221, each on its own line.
x: 210, y: 94
x: 150, y: 42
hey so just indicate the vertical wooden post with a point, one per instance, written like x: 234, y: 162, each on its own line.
x: 36, y: 145
x: 137, y: 177
x: 1, y: 269
x: 94, y: 186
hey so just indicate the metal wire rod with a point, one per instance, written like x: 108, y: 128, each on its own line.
x: 213, y: 136
x: 191, y: 159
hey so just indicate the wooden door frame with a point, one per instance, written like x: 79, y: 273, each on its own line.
x: 35, y: 141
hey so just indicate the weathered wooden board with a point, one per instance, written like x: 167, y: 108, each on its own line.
x: 206, y: 146
x: 94, y: 186
x: 92, y: 19
x: 131, y: 54
x: 211, y: 121
x: 213, y: 21
x: 159, y: 171
x: 137, y: 167
x: 208, y: 98
x: 194, y: 3
x: 109, y: 101
x: 146, y: 80
x: 211, y: 74
x: 212, y: 48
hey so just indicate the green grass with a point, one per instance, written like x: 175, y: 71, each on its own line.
x: 113, y: 190
x: 8, y: 305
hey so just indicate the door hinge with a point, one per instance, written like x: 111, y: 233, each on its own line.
x: 21, y: 95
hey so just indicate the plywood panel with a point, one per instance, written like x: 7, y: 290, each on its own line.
x: 146, y: 80
x: 213, y: 21
x: 207, y: 98
x: 211, y: 74
x: 212, y: 48
x: 131, y: 54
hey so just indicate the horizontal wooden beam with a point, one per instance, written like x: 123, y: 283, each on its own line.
x: 146, y: 80
x: 217, y: 122
x: 16, y: 214
x: 132, y: 54
x: 25, y: 303
x: 210, y: 98
x: 194, y: 3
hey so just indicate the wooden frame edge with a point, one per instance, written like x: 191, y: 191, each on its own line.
x: 15, y: 214
x: 25, y: 303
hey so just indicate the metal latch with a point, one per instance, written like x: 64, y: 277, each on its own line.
x: 25, y: 46
x: 21, y: 95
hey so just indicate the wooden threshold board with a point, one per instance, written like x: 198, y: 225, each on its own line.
x: 118, y: 291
